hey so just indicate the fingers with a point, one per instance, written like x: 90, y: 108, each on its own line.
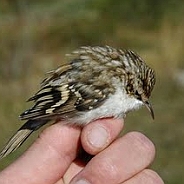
x: 95, y: 137
x: 50, y: 156
x: 99, y: 134
x: 123, y: 159
x: 147, y: 176
x: 47, y: 159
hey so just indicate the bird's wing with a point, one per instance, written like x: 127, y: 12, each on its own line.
x: 65, y: 100
x: 46, y: 100
x: 80, y: 85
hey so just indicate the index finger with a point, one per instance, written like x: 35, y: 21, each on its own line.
x: 47, y: 159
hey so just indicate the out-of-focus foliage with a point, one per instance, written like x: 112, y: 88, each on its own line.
x: 31, y: 26
x: 35, y: 35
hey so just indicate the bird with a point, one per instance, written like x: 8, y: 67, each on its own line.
x: 96, y: 82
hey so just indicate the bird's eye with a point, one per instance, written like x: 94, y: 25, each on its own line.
x: 137, y: 95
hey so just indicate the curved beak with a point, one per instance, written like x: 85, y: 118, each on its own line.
x: 149, y: 107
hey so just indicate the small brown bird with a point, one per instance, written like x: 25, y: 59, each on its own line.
x: 96, y: 82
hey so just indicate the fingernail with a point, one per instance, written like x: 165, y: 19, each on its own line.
x: 80, y: 182
x: 98, y: 136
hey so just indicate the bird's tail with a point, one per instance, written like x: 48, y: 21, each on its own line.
x: 21, y: 135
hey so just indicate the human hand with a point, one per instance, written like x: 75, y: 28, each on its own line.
x: 52, y: 157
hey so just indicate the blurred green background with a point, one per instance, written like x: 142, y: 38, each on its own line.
x: 35, y: 36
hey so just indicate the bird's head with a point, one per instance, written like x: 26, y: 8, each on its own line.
x: 141, y: 80
x: 144, y: 86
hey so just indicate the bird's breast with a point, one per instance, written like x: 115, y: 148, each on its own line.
x: 116, y: 105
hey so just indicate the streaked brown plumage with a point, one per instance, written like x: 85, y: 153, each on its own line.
x: 96, y: 82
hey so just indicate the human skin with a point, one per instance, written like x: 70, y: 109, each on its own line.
x: 52, y: 158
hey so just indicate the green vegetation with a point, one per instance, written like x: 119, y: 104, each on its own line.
x: 35, y: 35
